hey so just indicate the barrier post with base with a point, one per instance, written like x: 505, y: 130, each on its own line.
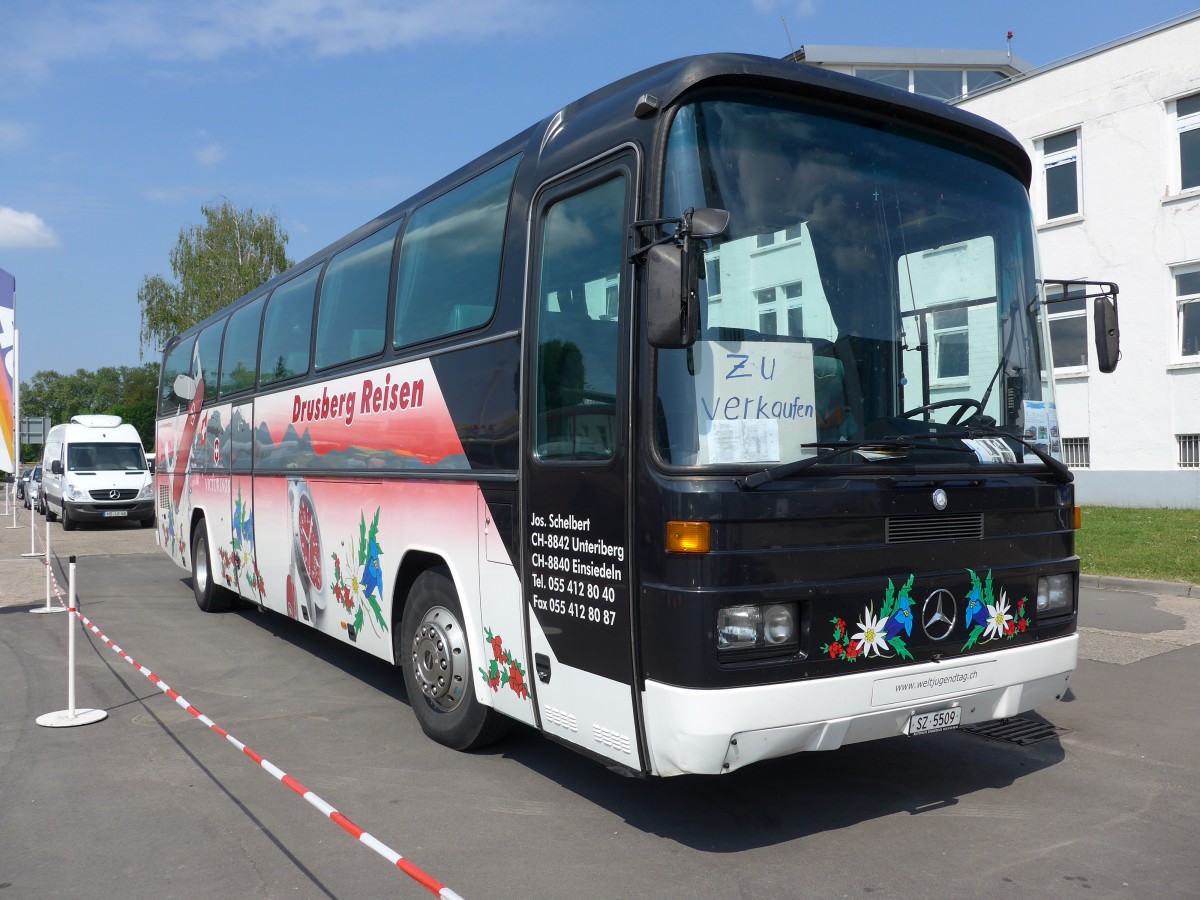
x: 71, y: 716
x: 32, y: 531
x: 48, y: 608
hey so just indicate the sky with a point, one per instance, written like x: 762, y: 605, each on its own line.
x: 119, y: 119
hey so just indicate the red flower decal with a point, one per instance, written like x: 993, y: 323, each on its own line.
x: 516, y: 681
x: 836, y: 650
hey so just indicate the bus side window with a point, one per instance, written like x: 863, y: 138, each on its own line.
x: 239, y: 351
x: 178, y: 362
x: 287, y: 328
x: 449, y: 271
x: 577, y: 335
x: 352, y: 308
x: 209, y: 358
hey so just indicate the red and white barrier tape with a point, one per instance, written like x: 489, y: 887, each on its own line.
x: 422, y: 878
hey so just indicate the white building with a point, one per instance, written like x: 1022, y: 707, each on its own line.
x: 1114, y: 135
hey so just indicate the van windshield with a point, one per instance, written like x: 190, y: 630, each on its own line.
x: 105, y: 458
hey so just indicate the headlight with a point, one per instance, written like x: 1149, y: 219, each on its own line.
x: 76, y: 493
x: 779, y: 624
x: 758, y: 630
x: 146, y: 493
x: 1055, y: 594
x: 738, y: 627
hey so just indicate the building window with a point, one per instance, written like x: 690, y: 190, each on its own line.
x: 1077, y: 452
x: 951, y: 350
x: 768, y: 322
x: 766, y: 239
x: 897, y: 78
x: 1060, y: 163
x: 1187, y: 301
x: 940, y: 84
x: 1068, y: 327
x: 765, y: 296
x: 795, y: 319
x: 978, y: 79
x: 1187, y: 115
x: 712, y: 269
x: 1189, y: 450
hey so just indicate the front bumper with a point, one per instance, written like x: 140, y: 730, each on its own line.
x: 138, y: 510
x: 699, y: 731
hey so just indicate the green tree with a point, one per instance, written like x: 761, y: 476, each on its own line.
x: 125, y: 391
x: 232, y: 253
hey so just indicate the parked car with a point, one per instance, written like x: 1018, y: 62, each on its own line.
x: 33, y: 489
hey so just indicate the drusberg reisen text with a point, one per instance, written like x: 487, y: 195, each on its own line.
x: 375, y: 398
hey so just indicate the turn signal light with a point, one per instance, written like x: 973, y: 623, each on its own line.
x: 687, y: 537
x: 1078, y: 517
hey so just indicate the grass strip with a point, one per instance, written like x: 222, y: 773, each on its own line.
x: 1158, y: 544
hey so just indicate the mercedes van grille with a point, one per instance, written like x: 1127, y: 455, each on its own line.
x: 109, y: 494
x: 909, y: 529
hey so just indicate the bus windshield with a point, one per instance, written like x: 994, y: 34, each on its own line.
x: 874, y: 283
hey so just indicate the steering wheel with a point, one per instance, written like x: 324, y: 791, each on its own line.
x: 963, y: 404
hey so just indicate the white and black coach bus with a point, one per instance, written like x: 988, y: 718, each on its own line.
x: 709, y: 420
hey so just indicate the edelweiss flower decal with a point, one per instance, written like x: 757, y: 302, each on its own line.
x: 989, y: 619
x: 873, y: 637
x: 998, y: 619
x: 883, y: 634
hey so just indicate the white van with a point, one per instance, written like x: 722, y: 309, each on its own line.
x: 94, y: 469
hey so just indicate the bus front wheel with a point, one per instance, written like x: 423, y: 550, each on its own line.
x: 431, y: 649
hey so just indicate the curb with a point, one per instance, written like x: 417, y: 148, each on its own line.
x: 1140, y: 585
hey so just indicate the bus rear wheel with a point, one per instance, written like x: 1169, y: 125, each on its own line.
x: 210, y: 596
x: 431, y: 649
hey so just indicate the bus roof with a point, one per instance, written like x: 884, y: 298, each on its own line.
x: 600, y: 120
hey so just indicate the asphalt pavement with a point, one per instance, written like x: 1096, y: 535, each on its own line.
x: 150, y: 803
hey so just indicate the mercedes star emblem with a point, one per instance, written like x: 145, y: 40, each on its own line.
x: 939, y: 614
x: 114, y: 495
x: 940, y: 500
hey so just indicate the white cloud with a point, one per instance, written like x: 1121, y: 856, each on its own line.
x: 211, y: 153
x: 45, y: 34
x: 24, y: 229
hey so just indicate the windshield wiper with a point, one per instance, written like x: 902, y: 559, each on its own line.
x: 1062, y: 474
x: 899, y: 442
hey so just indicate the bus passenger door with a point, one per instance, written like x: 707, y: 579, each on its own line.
x: 575, y: 471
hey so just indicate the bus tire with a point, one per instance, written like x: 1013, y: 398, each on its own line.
x: 431, y: 649
x: 210, y: 596
x: 50, y: 516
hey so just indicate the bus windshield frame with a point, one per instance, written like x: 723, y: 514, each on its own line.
x: 875, y: 282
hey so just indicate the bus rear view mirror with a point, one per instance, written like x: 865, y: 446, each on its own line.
x: 674, y: 267
x: 708, y: 223
x: 672, y: 310
x: 1108, y: 334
